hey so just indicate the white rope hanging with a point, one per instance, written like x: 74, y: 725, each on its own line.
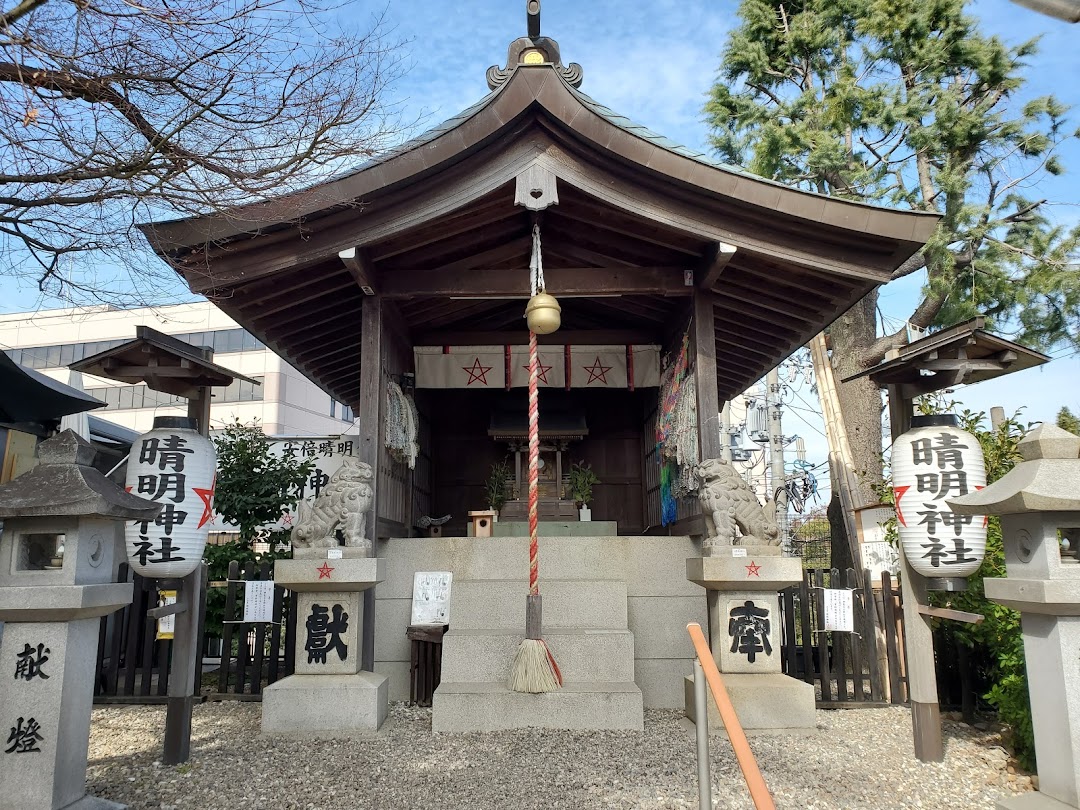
x: 536, y: 263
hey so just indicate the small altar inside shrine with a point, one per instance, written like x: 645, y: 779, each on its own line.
x: 558, y: 430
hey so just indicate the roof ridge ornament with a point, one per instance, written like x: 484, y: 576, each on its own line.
x: 533, y: 50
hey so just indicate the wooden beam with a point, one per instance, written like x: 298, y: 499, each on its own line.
x: 464, y: 222
x: 713, y: 264
x: 708, y: 397
x: 599, y: 337
x: 155, y: 371
x: 291, y: 296
x: 753, y: 305
x: 360, y: 267
x: 949, y: 613
x: 513, y: 282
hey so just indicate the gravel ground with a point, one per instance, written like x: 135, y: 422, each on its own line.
x: 855, y: 759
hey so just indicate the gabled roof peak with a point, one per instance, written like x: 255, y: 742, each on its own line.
x: 533, y: 50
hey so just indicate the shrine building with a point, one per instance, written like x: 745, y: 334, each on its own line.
x: 413, y: 271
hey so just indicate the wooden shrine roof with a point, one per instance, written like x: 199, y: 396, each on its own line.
x: 962, y: 354
x: 161, y: 362
x: 640, y: 224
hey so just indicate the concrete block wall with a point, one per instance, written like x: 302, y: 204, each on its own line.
x: 660, y: 600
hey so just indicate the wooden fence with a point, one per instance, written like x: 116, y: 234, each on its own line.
x: 133, y: 665
x: 845, y: 668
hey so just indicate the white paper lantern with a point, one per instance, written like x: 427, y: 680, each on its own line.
x: 933, y: 461
x: 174, y: 465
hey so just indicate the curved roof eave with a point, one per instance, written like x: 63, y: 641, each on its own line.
x: 541, y: 84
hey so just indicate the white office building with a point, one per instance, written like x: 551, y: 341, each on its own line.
x: 285, y: 403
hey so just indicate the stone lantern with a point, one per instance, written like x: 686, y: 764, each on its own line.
x: 1039, y: 504
x: 62, y: 542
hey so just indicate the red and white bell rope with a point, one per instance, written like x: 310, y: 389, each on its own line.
x: 536, y: 274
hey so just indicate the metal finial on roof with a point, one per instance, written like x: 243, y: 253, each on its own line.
x: 533, y: 50
x: 532, y: 9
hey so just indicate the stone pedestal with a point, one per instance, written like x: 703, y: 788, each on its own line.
x: 59, y: 552
x: 1039, y: 502
x: 328, y: 692
x: 744, y: 606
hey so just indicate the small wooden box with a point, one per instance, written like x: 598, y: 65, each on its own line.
x: 481, y: 522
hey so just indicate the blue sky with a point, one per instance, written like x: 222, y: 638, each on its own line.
x: 654, y: 62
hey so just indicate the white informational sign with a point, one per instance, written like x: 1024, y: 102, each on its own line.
x: 166, y: 625
x: 880, y: 556
x: 333, y: 554
x: 738, y: 552
x: 259, y: 601
x: 839, y: 610
x: 431, y: 597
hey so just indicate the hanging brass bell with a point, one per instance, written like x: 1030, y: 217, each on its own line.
x: 543, y: 314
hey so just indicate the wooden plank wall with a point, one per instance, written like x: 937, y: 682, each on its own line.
x: 462, y: 452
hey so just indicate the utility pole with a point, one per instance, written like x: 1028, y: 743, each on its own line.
x: 725, y: 433
x: 778, y: 488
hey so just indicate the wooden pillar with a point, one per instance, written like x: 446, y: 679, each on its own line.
x: 710, y: 445
x: 190, y: 594
x: 918, y: 638
x: 703, y: 330
x: 370, y: 412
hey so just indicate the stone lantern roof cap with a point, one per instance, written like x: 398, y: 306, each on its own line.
x: 63, y: 484
x: 1047, y: 480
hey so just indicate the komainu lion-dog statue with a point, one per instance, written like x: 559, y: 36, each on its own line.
x: 342, y: 506
x: 728, y: 502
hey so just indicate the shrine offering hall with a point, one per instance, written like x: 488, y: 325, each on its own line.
x: 400, y: 288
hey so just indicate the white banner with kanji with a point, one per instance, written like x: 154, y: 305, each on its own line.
x: 615, y: 366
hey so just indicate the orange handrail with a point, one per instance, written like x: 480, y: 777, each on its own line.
x: 759, y: 792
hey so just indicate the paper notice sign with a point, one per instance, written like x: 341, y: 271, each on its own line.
x: 259, y: 601
x: 738, y: 552
x: 839, y: 610
x: 166, y: 625
x: 333, y: 554
x: 431, y: 597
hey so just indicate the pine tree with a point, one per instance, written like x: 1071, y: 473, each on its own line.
x: 907, y: 104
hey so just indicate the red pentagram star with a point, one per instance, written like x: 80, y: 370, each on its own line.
x: 898, y: 493
x: 541, y: 371
x: 753, y: 569
x: 286, y: 519
x: 324, y: 571
x: 207, y: 497
x: 476, y: 372
x: 597, y: 371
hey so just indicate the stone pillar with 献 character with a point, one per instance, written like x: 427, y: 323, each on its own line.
x: 742, y: 571
x: 62, y: 543
x: 332, y: 566
x: 1039, y: 504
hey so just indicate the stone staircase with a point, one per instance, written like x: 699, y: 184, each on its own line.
x: 585, y: 626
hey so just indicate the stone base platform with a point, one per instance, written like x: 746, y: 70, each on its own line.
x: 302, y: 704
x: 462, y: 706
x: 1032, y: 801
x: 94, y: 803
x: 763, y: 703
x: 587, y: 528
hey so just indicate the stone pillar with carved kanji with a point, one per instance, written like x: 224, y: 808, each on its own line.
x: 1039, y: 504
x: 62, y: 542
x: 331, y: 568
x: 742, y: 572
